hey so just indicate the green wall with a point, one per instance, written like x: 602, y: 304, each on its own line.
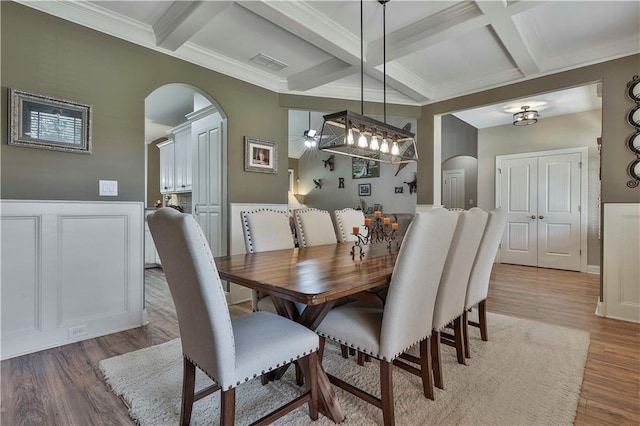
x: 615, y: 129
x: 46, y: 55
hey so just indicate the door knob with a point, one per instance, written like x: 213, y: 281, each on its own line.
x: 540, y: 217
x: 533, y: 216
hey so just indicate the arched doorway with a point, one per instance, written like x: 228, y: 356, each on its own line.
x: 185, y: 159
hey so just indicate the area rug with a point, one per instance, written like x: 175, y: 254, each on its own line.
x: 528, y: 373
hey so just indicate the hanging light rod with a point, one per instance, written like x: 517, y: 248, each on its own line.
x: 355, y: 135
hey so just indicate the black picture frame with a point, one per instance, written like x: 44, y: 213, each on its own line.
x: 364, y: 189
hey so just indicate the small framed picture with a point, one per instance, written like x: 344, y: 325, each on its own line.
x: 260, y: 155
x: 399, y: 190
x: 377, y: 207
x: 364, y: 189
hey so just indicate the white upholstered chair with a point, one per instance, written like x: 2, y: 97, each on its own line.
x: 314, y: 227
x: 478, y: 287
x: 387, y: 332
x: 265, y: 230
x: 346, y: 219
x: 450, y: 302
x: 229, y: 351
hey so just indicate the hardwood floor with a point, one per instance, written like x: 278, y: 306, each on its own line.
x: 64, y: 386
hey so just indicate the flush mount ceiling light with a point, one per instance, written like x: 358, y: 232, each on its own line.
x: 525, y: 117
x: 355, y: 135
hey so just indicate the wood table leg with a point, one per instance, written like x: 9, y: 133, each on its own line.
x: 327, y: 401
x: 311, y: 318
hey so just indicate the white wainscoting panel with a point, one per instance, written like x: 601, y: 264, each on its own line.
x: 70, y: 271
x: 236, y: 242
x: 22, y: 298
x: 621, y: 266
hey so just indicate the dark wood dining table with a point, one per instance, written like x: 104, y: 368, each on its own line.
x: 317, y: 277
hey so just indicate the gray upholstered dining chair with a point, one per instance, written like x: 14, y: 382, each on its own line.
x: 265, y: 230
x: 229, y: 351
x: 478, y: 286
x: 314, y: 227
x: 346, y: 219
x: 450, y: 301
x: 387, y: 332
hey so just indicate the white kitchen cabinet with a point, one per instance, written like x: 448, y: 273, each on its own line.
x: 167, y: 166
x: 151, y: 256
x: 183, y: 153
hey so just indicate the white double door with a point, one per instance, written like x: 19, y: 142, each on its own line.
x: 541, y: 194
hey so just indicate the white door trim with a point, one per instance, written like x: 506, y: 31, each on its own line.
x: 584, y: 159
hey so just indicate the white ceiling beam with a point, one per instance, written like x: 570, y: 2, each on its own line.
x: 326, y: 72
x: 183, y: 19
x: 449, y: 23
x: 317, y: 29
x: 499, y: 16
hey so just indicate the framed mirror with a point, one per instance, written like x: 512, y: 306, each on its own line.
x: 634, y: 88
x: 634, y: 142
x: 634, y: 116
x: 38, y: 121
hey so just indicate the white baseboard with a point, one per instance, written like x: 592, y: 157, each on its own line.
x: 593, y: 269
x: 599, y: 309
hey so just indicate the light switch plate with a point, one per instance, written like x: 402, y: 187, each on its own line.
x: 108, y: 188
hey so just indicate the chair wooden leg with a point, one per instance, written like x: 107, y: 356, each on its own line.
x: 188, y: 391
x: 264, y: 379
x: 465, y: 334
x: 299, y: 376
x: 311, y: 364
x: 435, y: 359
x: 361, y: 358
x: 457, y: 331
x: 344, y: 351
x: 386, y: 392
x: 321, y: 349
x: 482, y: 314
x: 425, y: 368
x: 352, y: 351
x: 228, y: 407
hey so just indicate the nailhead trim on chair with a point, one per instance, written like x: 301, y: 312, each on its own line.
x: 246, y: 379
x: 245, y: 223
x: 299, y: 224
x: 339, y: 222
x: 449, y: 322
x: 377, y: 356
x: 471, y: 305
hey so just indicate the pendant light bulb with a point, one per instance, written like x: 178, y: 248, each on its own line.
x: 394, y: 149
x: 375, y: 145
x: 362, y: 140
x: 384, y: 146
x: 350, y: 140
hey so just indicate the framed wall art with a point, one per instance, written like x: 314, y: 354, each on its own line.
x: 260, y: 155
x: 364, y: 189
x: 38, y: 121
x: 363, y: 168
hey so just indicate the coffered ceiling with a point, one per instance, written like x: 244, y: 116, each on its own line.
x: 435, y: 49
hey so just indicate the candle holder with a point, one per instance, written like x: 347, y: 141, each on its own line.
x: 379, y: 230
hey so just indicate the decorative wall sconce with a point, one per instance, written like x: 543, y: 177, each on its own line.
x: 633, y: 142
x: 318, y: 183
